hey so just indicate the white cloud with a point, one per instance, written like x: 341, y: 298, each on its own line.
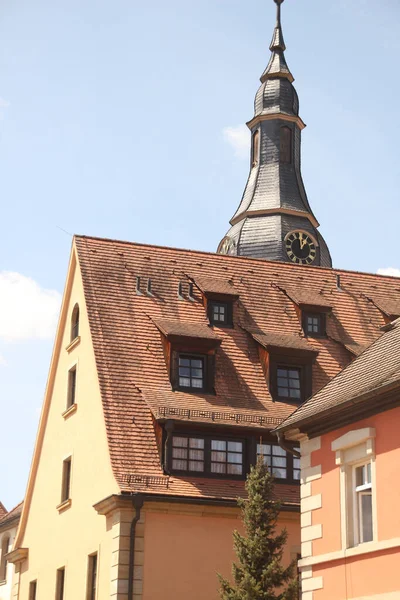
x: 239, y: 138
x: 27, y: 311
x: 392, y: 271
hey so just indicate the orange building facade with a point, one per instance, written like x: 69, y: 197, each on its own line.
x: 350, y: 522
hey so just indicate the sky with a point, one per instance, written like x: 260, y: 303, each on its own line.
x: 125, y: 119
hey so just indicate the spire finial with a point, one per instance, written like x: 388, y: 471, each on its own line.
x: 278, y: 42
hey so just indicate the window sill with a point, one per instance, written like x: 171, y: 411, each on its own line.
x: 64, y: 505
x: 73, y: 344
x: 70, y: 411
x: 3, y: 582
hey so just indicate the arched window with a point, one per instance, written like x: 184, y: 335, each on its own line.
x: 286, y: 145
x: 256, y: 148
x: 5, y: 544
x: 75, y: 322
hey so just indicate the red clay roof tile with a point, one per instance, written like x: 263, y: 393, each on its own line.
x: 133, y: 375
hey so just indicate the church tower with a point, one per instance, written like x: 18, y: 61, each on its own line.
x: 274, y: 220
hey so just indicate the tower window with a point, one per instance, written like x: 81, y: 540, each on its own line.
x: 286, y: 145
x: 75, y: 323
x: 256, y: 148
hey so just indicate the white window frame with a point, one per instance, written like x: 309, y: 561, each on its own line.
x: 354, y: 449
x: 358, y: 492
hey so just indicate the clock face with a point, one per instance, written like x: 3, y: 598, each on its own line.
x: 300, y: 248
x: 227, y: 246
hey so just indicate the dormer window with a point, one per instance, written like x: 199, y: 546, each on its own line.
x: 191, y: 372
x: 220, y: 313
x: 314, y: 324
x: 289, y: 383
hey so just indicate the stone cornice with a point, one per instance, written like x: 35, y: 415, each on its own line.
x: 273, y: 116
x: 18, y: 555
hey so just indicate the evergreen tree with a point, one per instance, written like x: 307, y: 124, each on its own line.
x: 259, y: 574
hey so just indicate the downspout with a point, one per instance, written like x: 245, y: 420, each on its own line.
x: 137, y: 502
x: 281, y: 442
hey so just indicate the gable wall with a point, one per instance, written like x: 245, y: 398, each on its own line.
x: 65, y: 538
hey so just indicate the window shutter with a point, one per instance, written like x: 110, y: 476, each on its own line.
x: 174, y: 370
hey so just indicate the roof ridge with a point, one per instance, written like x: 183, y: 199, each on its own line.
x: 243, y: 258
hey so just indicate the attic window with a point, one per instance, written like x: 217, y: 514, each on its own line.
x: 220, y: 313
x: 314, y: 324
x: 288, y: 383
x: 286, y: 145
x: 191, y: 372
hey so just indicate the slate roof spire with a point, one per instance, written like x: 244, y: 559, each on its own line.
x: 274, y: 205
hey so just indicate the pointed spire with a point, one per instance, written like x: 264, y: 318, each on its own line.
x: 277, y: 66
x: 278, y: 43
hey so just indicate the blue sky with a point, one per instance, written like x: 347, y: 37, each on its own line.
x: 123, y: 119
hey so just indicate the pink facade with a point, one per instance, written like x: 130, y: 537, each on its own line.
x: 351, y: 525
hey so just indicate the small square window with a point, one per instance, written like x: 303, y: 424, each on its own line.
x: 314, y: 324
x: 289, y: 383
x: 220, y: 313
x: 191, y: 372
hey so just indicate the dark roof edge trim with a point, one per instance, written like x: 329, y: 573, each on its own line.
x: 372, y: 402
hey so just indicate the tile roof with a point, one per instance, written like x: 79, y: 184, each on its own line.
x: 389, y: 306
x: 211, y: 285
x: 270, y: 339
x: 130, y: 359
x: 12, y: 515
x: 306, y: 297
x: 3, y: 510
x: 377, y: 367
x: 190, y: 330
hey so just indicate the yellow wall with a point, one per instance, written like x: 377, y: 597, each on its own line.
x: 66, y: 539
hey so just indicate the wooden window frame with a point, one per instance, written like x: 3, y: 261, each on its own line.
x: 60, y: 584
x: 208, y: 438
x: 92, y: 573
x: 66, y: 480
x: 321, y: 316
x: 249, y: 445
x: 208, y: 371
x: 290, y: 479
x: 294, y: 361
x: 228, y: 322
